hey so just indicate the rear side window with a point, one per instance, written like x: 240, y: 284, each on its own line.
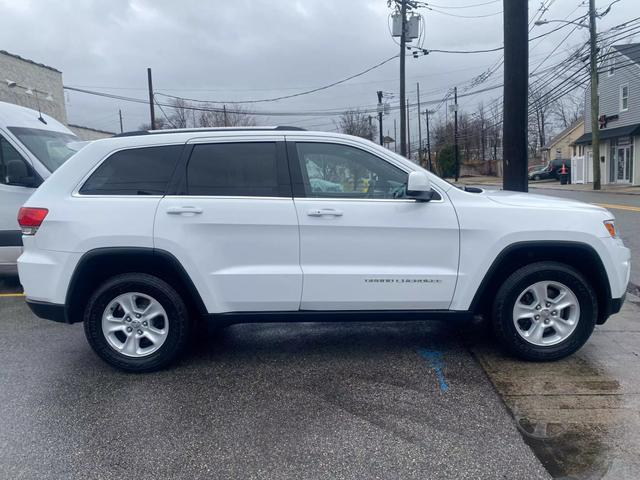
x: 138, y: 171
x: 234, y: 169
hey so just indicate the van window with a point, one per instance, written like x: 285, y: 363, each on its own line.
x: 233, y: 169
x: 13, y: 167
x: 137, y: 171
x: 51, y: 148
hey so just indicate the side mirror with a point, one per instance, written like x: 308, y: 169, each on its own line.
x: 419, y: 186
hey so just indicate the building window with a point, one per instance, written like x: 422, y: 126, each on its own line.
x: 624, y: 98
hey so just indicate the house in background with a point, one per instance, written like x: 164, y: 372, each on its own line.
x: 619, y: 121
x: 561, y: 147
x: 39, y: 87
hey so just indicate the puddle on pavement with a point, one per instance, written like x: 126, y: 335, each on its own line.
x: 568, y: 451
x: 580, y: 415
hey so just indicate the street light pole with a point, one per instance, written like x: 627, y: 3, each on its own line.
x: 595, y: 107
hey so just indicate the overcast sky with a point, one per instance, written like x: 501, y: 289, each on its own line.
x: 254, y: 49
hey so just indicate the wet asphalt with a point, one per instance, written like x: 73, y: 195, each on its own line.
x: 357, y: 400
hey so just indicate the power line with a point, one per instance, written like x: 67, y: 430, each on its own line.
x: 463, y: 16
x: 299, y: 94
x: 464, y: 6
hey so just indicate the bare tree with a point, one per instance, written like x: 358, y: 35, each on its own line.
x: 569, y: 109
x: 181, y: 113
x: 355, y: 122
x: 217, y: 116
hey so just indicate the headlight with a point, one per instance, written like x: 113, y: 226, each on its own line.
x: 610, y: 225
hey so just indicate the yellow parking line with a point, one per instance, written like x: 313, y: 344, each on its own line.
x: 619, y: 207
x: 11, y: 294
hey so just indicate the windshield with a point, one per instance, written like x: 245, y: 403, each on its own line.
x: 51, y: 148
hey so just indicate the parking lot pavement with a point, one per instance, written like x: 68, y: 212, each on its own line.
x: 581, y: 415
x: 360, y: 400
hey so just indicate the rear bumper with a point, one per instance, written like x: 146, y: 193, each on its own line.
x: 48, y: 311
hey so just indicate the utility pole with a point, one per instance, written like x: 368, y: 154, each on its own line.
x: 224, y: 114
x: 419, y: 127
x: 395, y: 136
x: 151, y: 106
x: 380, y: 110
x: 456, y: 155
x: 120, y: 115
x: 403, y: 44
x: 595, y: 107
x: 408, y: 139
x: 516, y: 85
x: 426, y: 114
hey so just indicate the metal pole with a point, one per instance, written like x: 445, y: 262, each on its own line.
x: 408, y: 133
x: 380, y: 108
x: 120, y: 115
x: 428, y: 141
x: 516, y: 83
x: 419, y: 127
x: 395, y: 136
x: 456, y: 154
x: 403, y: 43
x: 151, y: 105
x: 595, y: 107
x: 224, y: 113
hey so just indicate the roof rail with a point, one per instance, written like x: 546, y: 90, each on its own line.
x: 213, y: 129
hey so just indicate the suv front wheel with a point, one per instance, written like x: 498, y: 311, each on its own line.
x: 544, y: 311
x: 136, y: 322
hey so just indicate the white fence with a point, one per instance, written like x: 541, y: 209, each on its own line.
x: 581, y: 169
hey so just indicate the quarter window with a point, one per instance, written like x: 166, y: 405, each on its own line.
x: 624, y: 97
x: 234, y: 169
x: 137, y: 171
x: 332, y: 170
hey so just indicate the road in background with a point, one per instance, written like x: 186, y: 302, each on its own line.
x: 626, y: 209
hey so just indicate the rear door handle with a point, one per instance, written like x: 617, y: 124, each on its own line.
x: 183, y: 210
x: 319, y: 212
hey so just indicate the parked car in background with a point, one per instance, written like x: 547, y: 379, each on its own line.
x: 32, y: 145
x: 540, y: 173
x: 555, y: 166
x: 141, y: 236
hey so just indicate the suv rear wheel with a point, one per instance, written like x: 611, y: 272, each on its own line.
x: 544, y: 311
x: 136, y: 322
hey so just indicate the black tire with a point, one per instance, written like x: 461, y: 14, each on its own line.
x: 536, y: 177
x: 516, y: 283
x: 177, y: 317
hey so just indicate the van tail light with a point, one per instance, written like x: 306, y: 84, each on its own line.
x: 30, y: 219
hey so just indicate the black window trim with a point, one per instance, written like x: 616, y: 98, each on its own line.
x: 83, y: 180
x: 178, y: 186
x: 297, y: 176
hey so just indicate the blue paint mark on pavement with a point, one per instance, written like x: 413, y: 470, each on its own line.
x: 436, y: 362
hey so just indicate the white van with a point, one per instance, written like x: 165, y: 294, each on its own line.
x: 31, y: 147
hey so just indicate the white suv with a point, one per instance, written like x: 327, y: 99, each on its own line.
x: 143, y: 235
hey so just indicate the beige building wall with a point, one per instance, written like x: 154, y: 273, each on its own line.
x: 85, y: 133
x: 44, y: 81
x: 561, y: 145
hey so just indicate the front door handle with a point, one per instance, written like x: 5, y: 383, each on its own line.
x: 319, y: 212
x: 183, y: 210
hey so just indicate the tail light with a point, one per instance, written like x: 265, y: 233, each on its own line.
x: 30, y: 219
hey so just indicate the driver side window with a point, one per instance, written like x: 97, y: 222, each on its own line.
x: 340, y: 171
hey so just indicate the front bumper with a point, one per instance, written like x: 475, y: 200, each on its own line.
x: 613, y: 306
